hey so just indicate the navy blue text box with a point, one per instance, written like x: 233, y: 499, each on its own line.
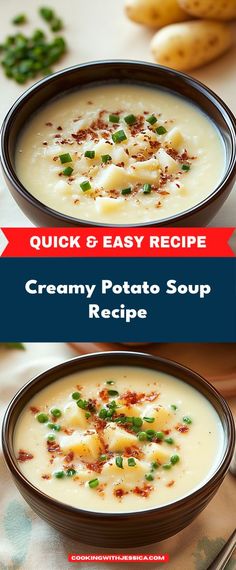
x: 170, y: 318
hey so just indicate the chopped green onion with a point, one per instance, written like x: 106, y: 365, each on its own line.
x: 87, y: 415
x: 174, y: 407
x: 56, y: 25
x: 114, y: 118
x: 110, y: 382
x: 103, y: 457
x: 46, y: 13
x: 186, y: 167
x: 151, y: 119
x: 119, y: 462
x: 159, y: 435
x: 149, y: 477
x: 147, y: 188
x: 119, y: 136
x: 131, y: 462
x: 154, y: 465
x: 56, y: 413
x: 70, y: 472
x: 106, y: 158
x: 65, y: 158
x: 93, y: 483
x: 137, y: 422
x: 113, y: 393
x: 42, y: 418
x: 20, y: 19
x: 75, y: 395
x: 150, y: 432
x: 187, y: 420
x: 68, y: 171
x: 82, y: 404
x: 169, y: 440
x: 55, y: 427
x: 142, y: 436
x: 59, y: 474
x: 126, y: 191
x: 161, y: 130
x: 174, y: 459
x: 148, y: 420
x: 103, y: 413
x: 130, y: 119
x: 167, y: 466
x: 51, y: 437
x: 89, y: 154
x: 85, y: 185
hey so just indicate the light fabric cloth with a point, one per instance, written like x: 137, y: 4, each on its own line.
x: 98, y: 30
x: 28, y: 543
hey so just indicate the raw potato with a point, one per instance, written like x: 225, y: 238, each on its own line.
x: 190, y: 45
x: 155, y: 13
x: 213, y: 9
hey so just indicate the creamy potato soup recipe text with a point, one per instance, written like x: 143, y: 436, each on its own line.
x: 118, y: 439
x: 120, y: 154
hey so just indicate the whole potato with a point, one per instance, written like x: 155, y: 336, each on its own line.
x: 191, y: 44
x: 213, y: 9
x: 155, y: 13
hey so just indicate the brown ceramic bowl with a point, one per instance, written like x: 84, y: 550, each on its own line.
x: 117, y: 71
x: 118, y: 530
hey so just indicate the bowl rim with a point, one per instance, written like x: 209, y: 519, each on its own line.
x: 218, y: 473
x: 11, y: 175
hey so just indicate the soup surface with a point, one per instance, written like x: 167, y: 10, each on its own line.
x: 118, y: 439
x: 120, y: 154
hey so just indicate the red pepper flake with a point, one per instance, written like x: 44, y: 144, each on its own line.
x: 48, y: 124
x: 46, y: 476
x: 182, y: 428
x: 119, y: 493
x: 143, y: 491
x: 24, y: 456
x: 171, y: 483
x: 34, y: 409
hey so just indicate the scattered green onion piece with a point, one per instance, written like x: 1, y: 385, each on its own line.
x: 174, y: 459
x: 65, y: 158
x: 59, y: 474
x: 151, y: 119
x: 167, y: 466
x: 149, y: 477
x: 85, y: 185
x: 46, y: 13
x: 55, y: 427
x: 119, y: 462
x: 142, y: 436
x: 159, y: 435
x: 56, y: 25
x: 56, y: 413
x: 150, y: 432
x: 131, y: 462
x: 148, y: 420
x: 110, y: 382
x: 154, y: 465
x: 137, y: 422
x: 119, y: 136
x: 70, y: 472
x: 87, y: 415
x: 68, y: 171
x: 106, y: 158
x: 103, y: 457
x: 89, y: 154
x: 186, y: 167
x: 126, y: 191
x: 42, y: 418
x: 169, y: 440
x: 103, y: 413
x: 51, y: 437
x: 82, y: 404
x: 112, y: 393
x: 130, y: 119
x: 114, y: 118
x: 174, y: 407
x: 75, y: 395
x: 161, y: 130
x: 187, y: 420
x: 93, y: 483
x: 147, y: 188
x: 20, y: 19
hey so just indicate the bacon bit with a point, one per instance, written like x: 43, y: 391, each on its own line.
x: 46, y: 476
x: 89, y: 102
x: 164, y: 192
x: 48, y: 124
x: 55, y: 158
x: 67, y: 430
x: 171, y: 483
x: 158, y: 205
x: 104, y: 395
x: 144, y: 491
x: 99, y: 125
x: 69, y: 457
x: 166, y: 431
x: 152, y: 396
x: 119, y: 493
x: 79, y: 387
x: 182, y: 428
x: 24, y: 456
x: 138, y: 126
x: 120, y: 164
x: 154, y: 144
x: 96, y: 466
x: 57, y: 136
x: 45, y: 143
x: 129, y: 397
x: 133, y: 452
x: 91, y: 405
x: 34, y: 409
x: 59, y: 128
x: 77, y: 201
x: 53, y: 447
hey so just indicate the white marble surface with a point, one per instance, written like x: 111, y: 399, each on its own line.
x: 97, y: 30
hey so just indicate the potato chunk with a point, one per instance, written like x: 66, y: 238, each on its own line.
x: 127, y: 474
x: 129, y: 411
x: 87, y: 446
x: 161, y: 417
x: 74, y: 416
x: 175, y: 138
x: 117, y: 438
x: 113, y: 177
x: 166, y: 161
x: 107, y: 205
x: 157, y: 452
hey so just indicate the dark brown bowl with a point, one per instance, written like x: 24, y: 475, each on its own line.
x: 110, y: 72
x: 118, y: 530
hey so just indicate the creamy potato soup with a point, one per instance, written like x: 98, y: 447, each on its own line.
x: 120, y: 154
x: 118, y: 439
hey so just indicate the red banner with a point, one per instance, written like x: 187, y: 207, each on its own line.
x: 116, y: 242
